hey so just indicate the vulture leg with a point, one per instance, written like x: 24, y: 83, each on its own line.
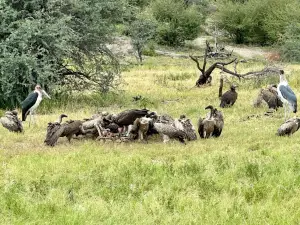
x: 83, y: 130
x: 166, y: 138
x: 129, y: 130
x: 140, y: 133
x: 120, y: 131
x: 146, y: 138
x: 98, y: 127
x: 69, y: 137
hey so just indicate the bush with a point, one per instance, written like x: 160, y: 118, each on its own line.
x: 56, y: 43
x: 256, y: 21
x: 141, y: 32
x: 177, y: 21
x: 290, y: 49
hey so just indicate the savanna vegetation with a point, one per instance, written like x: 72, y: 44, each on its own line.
x: 246, y: 176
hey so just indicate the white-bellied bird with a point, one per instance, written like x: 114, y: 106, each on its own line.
x: 286, y: 95
x: 32, y: 101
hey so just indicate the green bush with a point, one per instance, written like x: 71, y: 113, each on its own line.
x: 256, y: 21
x: 56, y: 43
x: 177, y: 21
x: 290, y: 49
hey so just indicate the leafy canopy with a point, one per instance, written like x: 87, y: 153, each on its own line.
x: 56, y: 43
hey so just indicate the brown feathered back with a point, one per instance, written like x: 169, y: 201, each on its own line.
x: 11, y: 121
x: 289, y: 127
x: 229, y: 97
x: 68, y: 129
x: 127, y: 117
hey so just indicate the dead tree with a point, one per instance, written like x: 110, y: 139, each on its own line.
x: 205, y: 74
x: 221, y: 86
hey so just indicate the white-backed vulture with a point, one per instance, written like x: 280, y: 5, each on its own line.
x: 270, y: 96
x: 11, y: 121
x: 67, y: 129
x: 140, y: 128
x: 212, y: 125
x: 127, y: 117
x: 289, y: 127
x: 169, y: 131
x: 186, y: 125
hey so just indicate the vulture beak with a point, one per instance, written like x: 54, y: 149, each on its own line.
x: 45, y: 93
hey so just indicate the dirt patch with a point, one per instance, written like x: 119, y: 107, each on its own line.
x: 245, y: 52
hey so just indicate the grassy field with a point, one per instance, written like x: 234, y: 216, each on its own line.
x: 247, y: 176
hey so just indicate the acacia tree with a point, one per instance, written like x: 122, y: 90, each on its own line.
x: 141, y: 31
x: 56, y: 42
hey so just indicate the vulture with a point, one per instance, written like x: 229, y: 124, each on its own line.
x: 165, y: 118
x: 169, y: 131
x: 67, y: 129
x: 270, y: 96
x: 127, y: 117
x: 185, y: 124
x: 140, y: 129
x: 229, y: 97
x: 219, y: 122
x: 11, y: 121
x: 289, y: 127
x: 99, y: 125
x: 52, y: 128
x: 212, y: 125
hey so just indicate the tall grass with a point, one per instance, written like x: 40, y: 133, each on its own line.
x: 247, y: 176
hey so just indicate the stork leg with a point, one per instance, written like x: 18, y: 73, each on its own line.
x: 33, y: 118
x: 287, y: 112
x: 284, y: 106
x: 30, y: 114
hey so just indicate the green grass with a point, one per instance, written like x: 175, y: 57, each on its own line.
x: 247, y: 176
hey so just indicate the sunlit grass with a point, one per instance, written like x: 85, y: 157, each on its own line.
x: 247, y: 176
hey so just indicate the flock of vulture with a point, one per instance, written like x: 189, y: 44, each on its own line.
x: 127, y: 125
x: 139, y: 124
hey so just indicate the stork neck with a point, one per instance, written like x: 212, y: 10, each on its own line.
x: 283, y: 79
x: 37, y: 91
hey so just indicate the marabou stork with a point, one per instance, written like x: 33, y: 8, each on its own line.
x: 286, y: 95
x: 32, y: 101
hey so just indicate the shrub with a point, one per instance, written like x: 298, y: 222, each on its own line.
x: 177, y: 21
x: 290, y: 49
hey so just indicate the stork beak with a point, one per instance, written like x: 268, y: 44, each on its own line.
x: 45, y: 93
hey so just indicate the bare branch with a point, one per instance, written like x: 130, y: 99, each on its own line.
x: 221, y: 86
x: 265, y: 71
x: 228, y: 71
x: 197, y: 62
x: 225, y: 64
x: 219, y: 65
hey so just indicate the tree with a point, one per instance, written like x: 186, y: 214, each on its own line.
x: 178, y: 20
x: 55, y: 43
x: 141, y: 31
x: 256, y: 21
x: 290, y: 46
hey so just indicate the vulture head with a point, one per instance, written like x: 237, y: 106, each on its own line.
x: 233, y: 87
